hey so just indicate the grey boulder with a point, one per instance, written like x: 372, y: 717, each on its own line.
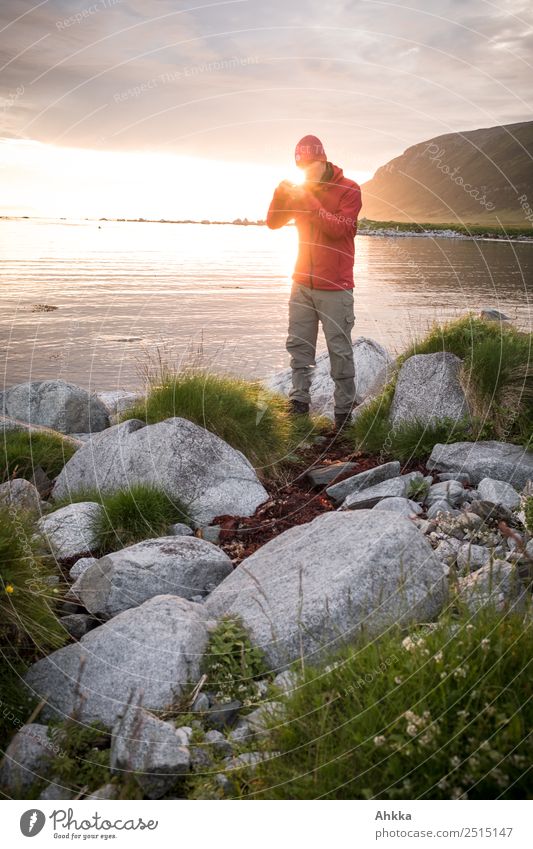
x: 150, y: 654
x: 451, y: 491
x: 182, y: 566
x: 325, y: 475
x: 395, y: 487
x: 499, y: 492
x: 491, y: 314
x: 180, y: 529
x: 500, y: 460
x: 495, y: 585
x: 472, y: 557
x: 22, y: 495
x: 27, y: 758
x: 77, y: 624
x: 339, y: 491
x: 150, y: 749
x: 398, y: 504
x: 319, y: 585
x: 80, y: 566
x: 72, y: 530
x: 438, y: 507
x: 56, y: 404
x: 428, y: 389
x: 180, y: 458
x: 373, y: 367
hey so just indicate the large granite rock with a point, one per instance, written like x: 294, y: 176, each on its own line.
x: 373, y: 367
x: 341, y: 577
x: 393, y: 488
x: 149, y: 748
x: 55, y: 404
x: 183, y: 566
x: 20, y: 494
x: 27, y: 758
x: 146, y: 655
x: 72, y: 530
x: 339, y: 491
x: 428, y: 389
x: 184, y: 460
x: 500, y: 460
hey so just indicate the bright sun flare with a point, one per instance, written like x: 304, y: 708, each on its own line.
x: 45, y: 180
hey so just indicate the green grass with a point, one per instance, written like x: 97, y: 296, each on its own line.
x: 511, y: 232
x: 446, y: 715
x: 415, y: 440
x: 528, y: 512
x: 138, y: 513
x: 497, y: 375
x: 29, y: 627
x: 241, y: 412
x: 82, y: 761
x: 21, y: 452
x: 27, y: 601
x: 460, y: 336
x: 16, y: 701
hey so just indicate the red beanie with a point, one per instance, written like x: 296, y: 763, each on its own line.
x: 309, y: 149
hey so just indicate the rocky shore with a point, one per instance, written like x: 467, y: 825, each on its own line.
x: 387, y: 546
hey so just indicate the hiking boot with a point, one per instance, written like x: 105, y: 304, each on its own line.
x: 298, y: 408
x: 343, y: 420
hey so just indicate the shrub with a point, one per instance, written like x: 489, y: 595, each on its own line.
x: 27, y: 599
x: 242, y: 413
x: 22, y: 451
x: 132, y: 515
x: 416, y: 440
x: 82, y: 762
x: 231, y: 663
x: 441, y: 714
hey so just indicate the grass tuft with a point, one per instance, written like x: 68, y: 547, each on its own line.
x: 27, y: 597
x: 497, y: 375
x: 22, y: 451
x: 138, y: 513
x: 240, y: 412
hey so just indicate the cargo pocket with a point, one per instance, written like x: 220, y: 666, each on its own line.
x: 348, y: 304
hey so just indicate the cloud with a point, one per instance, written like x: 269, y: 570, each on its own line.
x: 242, y: 79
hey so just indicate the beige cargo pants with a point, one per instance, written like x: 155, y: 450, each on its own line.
x: 334, y: 309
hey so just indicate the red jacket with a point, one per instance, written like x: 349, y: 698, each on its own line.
x: 327, y: 224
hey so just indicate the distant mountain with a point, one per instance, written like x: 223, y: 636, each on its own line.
x: 474, y: 177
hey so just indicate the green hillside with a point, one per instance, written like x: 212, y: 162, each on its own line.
x: 481, y: 177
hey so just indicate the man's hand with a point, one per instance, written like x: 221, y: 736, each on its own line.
x: 298, y: 195
x: 285, y: 187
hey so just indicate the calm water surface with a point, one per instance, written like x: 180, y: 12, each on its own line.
x: 122, y: 291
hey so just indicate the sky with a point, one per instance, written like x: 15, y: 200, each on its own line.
x: 169, y: 109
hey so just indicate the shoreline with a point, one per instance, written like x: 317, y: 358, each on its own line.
x: 367, y: 227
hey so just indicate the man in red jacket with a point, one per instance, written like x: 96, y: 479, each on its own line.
x: 325, y: 210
